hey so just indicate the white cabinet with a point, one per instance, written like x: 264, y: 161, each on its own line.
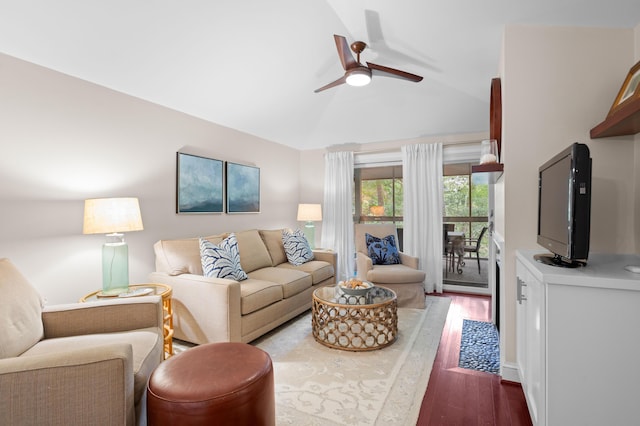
x: 578, y: 340
x: 531, y: 342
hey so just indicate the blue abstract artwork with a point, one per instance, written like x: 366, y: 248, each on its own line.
x: 200, y: 184
x: 243, y: 188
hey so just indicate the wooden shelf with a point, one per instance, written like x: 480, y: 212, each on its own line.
x: 623, y: 122
x: 494, y: 170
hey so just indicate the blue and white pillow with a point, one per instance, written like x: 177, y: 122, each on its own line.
x: 222, y: 261
x: 296, y: 247
x: 382, y: 251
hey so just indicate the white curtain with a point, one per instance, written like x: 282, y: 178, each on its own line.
x: 423, y: 207
x: 337, y: 217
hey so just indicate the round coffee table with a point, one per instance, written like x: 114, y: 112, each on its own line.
x: 352, y: 323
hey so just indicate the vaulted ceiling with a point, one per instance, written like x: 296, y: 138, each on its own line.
x: 254, y: 65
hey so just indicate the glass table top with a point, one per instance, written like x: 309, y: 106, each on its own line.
x: 334, y: 295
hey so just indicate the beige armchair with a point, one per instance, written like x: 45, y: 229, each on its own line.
x: 80, y: 363
x: 405, y: 279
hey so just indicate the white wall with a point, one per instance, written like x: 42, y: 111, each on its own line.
x: 64, y: 140
x: 557, y: 84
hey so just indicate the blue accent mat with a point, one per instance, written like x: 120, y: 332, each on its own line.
x: 479, y: 347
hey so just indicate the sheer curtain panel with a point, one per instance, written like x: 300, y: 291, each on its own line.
x: 423, y: 206
x: 337, y: 222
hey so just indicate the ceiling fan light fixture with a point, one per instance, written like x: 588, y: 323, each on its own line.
x: 359, y: 77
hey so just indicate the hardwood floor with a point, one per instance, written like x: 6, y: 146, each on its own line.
x: 457, y: 396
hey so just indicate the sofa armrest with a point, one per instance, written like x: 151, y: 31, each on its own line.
x: 205, y: 309
x: 328, y: 256
x: 409, y: 261
x: 77, y: 386
x: 363, y: 265
x: 104, y: 316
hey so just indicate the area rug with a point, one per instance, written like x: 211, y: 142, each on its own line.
x: 316, y: 385
x: 479, y: 346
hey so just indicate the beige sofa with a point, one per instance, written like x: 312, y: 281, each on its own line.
x: 223, y: 310
x: 78, y: 363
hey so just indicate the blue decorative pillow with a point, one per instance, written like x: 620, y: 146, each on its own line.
x: 222, y: 261
x: 382, y: 251
x: 296, y: 247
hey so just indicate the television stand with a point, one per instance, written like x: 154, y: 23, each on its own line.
x: 556, y: 260
x: 571, y: 324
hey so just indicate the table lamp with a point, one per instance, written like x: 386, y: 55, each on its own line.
x: 113, y: 216
x: 309, y: 213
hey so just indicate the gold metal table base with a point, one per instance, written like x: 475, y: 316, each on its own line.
x: 355, y: 323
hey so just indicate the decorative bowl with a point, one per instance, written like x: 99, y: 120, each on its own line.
x: 361, y: 290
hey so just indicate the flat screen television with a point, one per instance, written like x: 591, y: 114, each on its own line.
x: 564, y: 207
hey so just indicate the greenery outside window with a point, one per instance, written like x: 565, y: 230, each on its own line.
x: 466, y: 203
x: 378, y: 196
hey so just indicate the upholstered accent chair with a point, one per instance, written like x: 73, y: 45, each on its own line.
x: 405, y: 278
x: 79, y: 363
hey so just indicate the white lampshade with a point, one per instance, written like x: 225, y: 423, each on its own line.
x: 111, y: 215
x: 309, y: 212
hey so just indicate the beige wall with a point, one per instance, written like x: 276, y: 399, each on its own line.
x: 64, y: 140
x: 557, y: 84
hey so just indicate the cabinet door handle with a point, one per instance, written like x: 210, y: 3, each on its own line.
x: 520, y: 296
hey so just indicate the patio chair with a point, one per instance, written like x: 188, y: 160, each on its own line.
x: 473, y: 245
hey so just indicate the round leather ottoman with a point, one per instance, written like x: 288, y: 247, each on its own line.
x: 217, y: 383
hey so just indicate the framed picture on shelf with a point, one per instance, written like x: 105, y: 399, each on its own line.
x: 199, y: 184
x: 243, y: 188
x: 630, y: 89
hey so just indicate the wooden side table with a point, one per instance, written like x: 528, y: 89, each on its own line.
x: 163, y: 291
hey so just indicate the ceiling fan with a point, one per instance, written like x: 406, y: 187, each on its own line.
x: 356, y: 74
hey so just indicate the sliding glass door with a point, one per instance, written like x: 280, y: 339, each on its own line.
x: 466, y: 209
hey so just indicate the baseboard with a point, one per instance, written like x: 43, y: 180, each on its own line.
x: 509, y: 372
x: 456, y: 288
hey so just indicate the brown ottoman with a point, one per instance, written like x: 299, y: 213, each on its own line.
x: 217, y: 383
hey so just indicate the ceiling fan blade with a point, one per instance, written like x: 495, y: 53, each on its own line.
x: 338, y: 82
x: 392, y: 72
x: 344, y: 52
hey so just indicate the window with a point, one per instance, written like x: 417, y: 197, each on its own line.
x: 378, y: 196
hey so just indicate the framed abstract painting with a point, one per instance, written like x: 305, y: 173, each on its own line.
x: 199, y: 184
x: 243, y: 188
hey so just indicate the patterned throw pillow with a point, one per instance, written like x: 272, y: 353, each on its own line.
x: 222, y: 261
x: 296, y: 247
x: 382, y: 251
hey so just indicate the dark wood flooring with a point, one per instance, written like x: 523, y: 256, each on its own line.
x: 457, y: 396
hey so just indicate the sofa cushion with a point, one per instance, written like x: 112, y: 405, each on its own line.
x: 20, y: 312
x: 253, y: 252
x: 292, y: 281
x: 273, y: 240
x: 395, y: 274
x: 256, y: 294
x: 318, y: 269
x: 222, y: 261
x: 146, y: 344
x: 296, y: 247
x: 177, y: 257
x: 382, y: 251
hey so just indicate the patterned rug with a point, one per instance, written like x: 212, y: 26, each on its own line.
x: 316, y: 385
x: 479, y: 346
